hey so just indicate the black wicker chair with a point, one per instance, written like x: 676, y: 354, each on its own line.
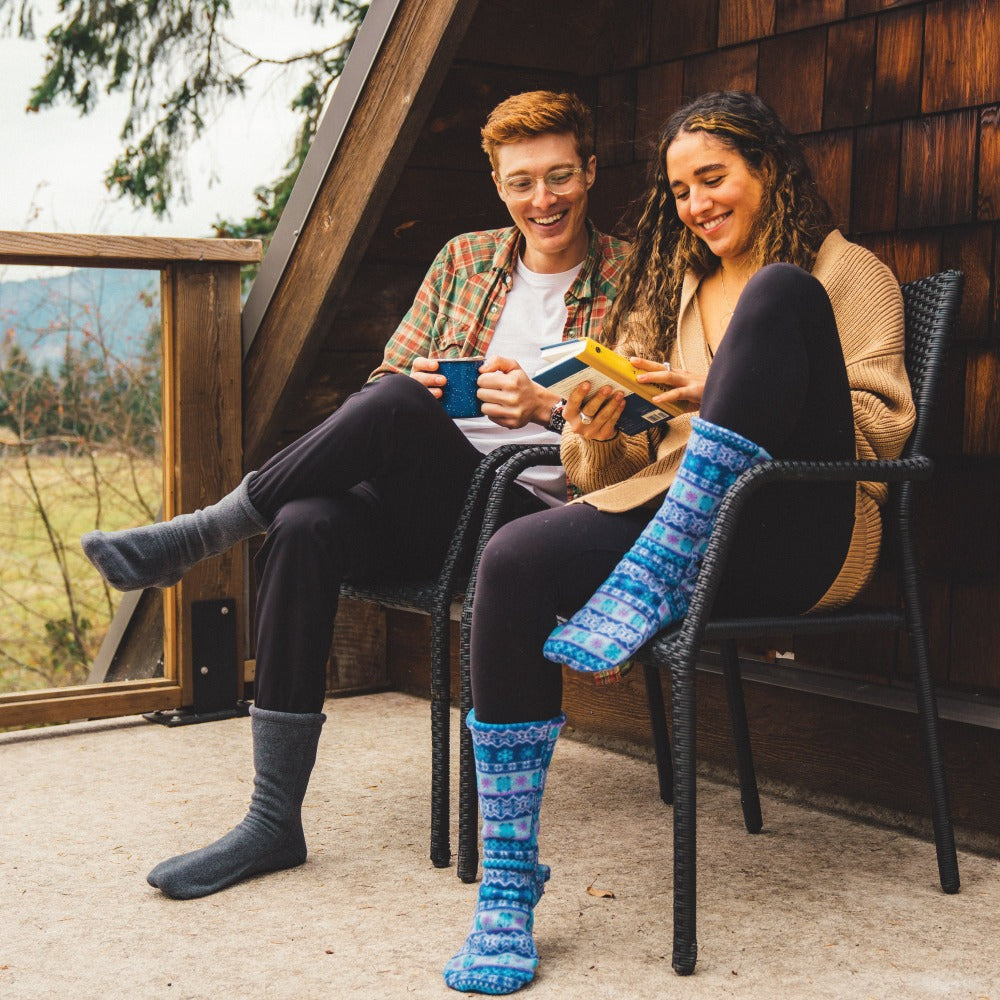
x: 931, y: 306
x: 434, y: 596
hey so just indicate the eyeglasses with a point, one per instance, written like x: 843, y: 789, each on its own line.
x: 559, y: 181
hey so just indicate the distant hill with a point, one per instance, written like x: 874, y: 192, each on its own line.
x: 115, y: 307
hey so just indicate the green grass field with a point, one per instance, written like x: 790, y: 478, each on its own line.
x: 54, y: 607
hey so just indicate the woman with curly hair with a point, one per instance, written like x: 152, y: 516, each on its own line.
x: 744, y: 304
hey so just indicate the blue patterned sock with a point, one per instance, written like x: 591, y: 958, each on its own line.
x: 512, y: 762
x: 651, y: 585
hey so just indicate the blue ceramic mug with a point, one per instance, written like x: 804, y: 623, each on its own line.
x: 459, y: 392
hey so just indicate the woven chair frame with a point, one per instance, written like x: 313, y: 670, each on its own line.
x: 434, y: 596
x: 931, y: 306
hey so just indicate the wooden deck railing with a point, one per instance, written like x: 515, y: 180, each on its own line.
x: 202, y: 441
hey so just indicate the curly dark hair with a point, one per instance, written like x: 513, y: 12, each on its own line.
x: 793, y: 221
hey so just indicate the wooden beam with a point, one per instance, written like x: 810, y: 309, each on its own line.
x: 376, y: 143
x: 143, y: 252
x: 133, y: 646
x: 202, y: 459
x: 103, y: 701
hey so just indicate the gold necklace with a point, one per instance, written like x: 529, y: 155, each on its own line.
x: 730, y: 308
x: 724, y: 321
x: 725, y: 296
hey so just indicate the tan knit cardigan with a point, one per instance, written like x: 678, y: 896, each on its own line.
x: 617, y: 475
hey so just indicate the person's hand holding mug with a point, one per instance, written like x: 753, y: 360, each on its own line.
x: 449, y: 379
x: 461, y: 383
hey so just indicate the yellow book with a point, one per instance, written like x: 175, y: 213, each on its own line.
x: 584, y: 360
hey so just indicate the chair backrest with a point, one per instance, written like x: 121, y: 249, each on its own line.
x: 931, y: 308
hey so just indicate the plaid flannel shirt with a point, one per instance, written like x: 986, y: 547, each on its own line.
x: 460, y: 300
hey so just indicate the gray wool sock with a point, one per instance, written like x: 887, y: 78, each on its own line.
x: 158, y: 555
x: 270, y: 836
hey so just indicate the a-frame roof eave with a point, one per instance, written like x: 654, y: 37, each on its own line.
x: 391, y: 78
x: 346, y: 94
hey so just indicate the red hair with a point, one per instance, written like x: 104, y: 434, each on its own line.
x: 539, y: 112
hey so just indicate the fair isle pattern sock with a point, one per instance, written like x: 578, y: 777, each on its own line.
x: 512, y: 762
x: 158, y: 555
x: 651, y: 585
x: 270, y: 837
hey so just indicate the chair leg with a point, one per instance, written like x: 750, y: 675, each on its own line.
x: 468, y: 802
x: 749, y: 796
x: 440, y: 738
x: 685, y: 952
x: 661, y: 739
x: 944, y: 834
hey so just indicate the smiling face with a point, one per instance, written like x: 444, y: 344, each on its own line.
x: 717, y: 196
x: 553, y: 225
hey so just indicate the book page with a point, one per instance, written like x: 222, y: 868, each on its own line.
x: 596, y: 379
x: 552, y: 353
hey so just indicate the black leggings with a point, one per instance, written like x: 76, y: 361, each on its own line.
x: 376, y: 488
x: 778, y: 379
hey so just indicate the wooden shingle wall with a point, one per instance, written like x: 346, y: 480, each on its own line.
x: 898, y: 107
x: 897, y: 103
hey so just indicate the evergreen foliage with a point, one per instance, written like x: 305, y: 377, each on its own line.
x: 66, y: 388
x: 176, y: 63
x: 88, y: 401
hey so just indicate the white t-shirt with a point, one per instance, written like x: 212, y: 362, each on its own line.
x: 534, y: 314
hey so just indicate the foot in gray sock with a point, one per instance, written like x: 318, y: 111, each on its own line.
x: 158, y: 555
x: 270, y: 837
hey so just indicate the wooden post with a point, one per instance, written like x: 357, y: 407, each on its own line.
x: 202, y: 437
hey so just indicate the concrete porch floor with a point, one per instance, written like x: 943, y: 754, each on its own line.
x: 817, y: 906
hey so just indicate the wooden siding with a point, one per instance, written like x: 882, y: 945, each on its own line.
x: 897, y: 103
x: 898, y: 108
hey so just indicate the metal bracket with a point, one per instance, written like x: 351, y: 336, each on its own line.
x: 216, y: 677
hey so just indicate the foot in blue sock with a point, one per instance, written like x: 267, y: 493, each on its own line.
x: 512, y: 761
x: 651, y: 585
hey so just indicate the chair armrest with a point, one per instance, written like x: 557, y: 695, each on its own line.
x: 888, y: 470
x: 724, y: 531
x: 529, y: 456
x: 510, y: 469
x: 879, y: 470
x: 480, y: 487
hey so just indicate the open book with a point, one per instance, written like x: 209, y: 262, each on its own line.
x: 571, y: 362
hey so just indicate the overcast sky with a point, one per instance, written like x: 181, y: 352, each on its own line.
x: 54, y: 162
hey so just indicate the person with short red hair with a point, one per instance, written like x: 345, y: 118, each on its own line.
x: 377, y: 487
